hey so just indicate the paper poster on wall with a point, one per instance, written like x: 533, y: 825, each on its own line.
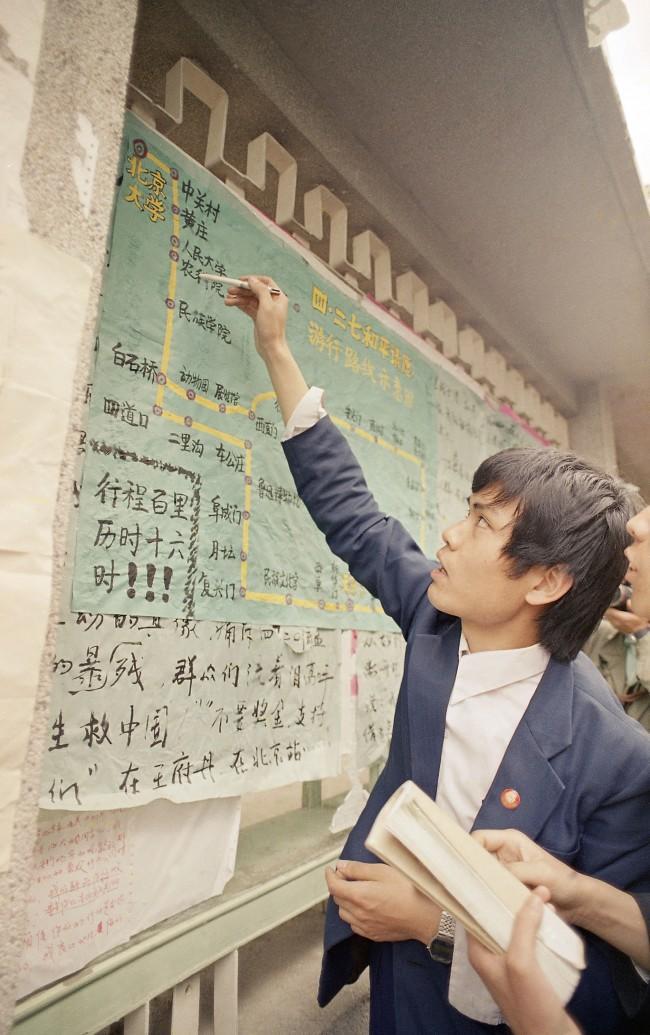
x: 40, y: 329
x: 379, y: 663
x: 187, y: 506
x: 146, y: 708
x: 461, y: 420
x: 99, y: 879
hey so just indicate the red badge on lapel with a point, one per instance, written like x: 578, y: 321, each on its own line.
x: 510, y: 798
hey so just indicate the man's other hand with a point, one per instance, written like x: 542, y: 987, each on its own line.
x: 380, y: 904
x: 534, y: 866
x: 625, y: 622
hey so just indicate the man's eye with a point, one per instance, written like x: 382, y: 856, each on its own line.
x: 481, y: 521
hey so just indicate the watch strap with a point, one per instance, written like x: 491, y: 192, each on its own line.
x: 441, y: 947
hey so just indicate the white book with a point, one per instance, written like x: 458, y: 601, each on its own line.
x: 415, y: 836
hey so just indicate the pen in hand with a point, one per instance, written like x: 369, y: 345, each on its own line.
x: 235, y: 282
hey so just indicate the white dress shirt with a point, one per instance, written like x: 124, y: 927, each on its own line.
x: 307, y: 413
x: 491, y: 692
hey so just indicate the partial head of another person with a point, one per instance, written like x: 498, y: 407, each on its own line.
x: 540, y: 553
x: 638, y: 556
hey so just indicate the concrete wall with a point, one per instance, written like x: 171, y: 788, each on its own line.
x: 63, y: 72
x: 591, y: 431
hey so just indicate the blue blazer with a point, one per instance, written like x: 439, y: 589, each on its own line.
x: 581, y: 766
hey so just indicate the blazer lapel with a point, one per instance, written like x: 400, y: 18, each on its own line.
x: 431, y: 673
x: 545, y: 730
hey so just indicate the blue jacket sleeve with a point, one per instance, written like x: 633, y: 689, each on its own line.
x: 379, y: 551
x: 643, y: 902
x: 633, y: 991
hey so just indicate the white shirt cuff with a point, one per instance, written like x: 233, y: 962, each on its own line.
x: 307, y: 413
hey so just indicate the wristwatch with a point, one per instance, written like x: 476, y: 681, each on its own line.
x: 441, y: 948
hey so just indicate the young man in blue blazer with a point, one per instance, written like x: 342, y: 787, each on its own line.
x: 498, y: 717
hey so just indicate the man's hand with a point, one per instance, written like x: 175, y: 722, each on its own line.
x: 269, y: 315
x: 625, y: 622
x: 534, y: 866
x: 516, y: 981
x: 631, y: 697
x: 268, y: 312
x: 380, y: 904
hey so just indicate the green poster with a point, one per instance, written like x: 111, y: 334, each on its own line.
x: 187, y: 507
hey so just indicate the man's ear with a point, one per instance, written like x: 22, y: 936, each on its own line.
x: 552, y: 584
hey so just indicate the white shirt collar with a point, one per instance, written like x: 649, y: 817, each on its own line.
x: 493, y: 669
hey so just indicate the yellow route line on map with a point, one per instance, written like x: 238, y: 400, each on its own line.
x: 239, y: 442
x: 279, y: 598
x: 202, y: 400
x: 408, y: 456
x: 261, y: 398
x: 177, y: 390
x: 312, y: 605
x: 159, y: 162
x: 245, y: 534
x: 171, y: 287
x: 366, y: 434
x: 376, y: 441
x: 223, y: 435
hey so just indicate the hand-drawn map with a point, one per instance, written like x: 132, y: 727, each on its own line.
x: 187, y: 506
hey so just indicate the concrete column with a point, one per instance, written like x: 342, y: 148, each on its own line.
x: 63, y: 73
x: 591, y: 431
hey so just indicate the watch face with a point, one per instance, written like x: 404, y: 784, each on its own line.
x: 441, y: 950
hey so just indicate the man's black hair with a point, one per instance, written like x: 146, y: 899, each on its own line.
x: 570, y: 514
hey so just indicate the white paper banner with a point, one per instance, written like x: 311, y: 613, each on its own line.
x: 379, y: 664
x: 146, y: 708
